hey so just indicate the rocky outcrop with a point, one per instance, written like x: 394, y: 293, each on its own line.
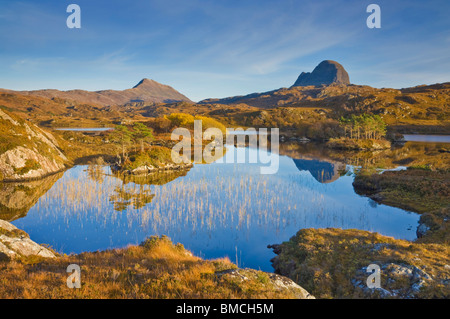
x: 26, y: 151
x: 326, y: 73
x: 15, y: 243
x: 146, y: 169
x: 333, y: 263
x: 13, y: 164
x: 414, y: 277
x: 271, y: 280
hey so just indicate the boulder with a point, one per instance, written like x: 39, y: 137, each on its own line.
x: 271, y: 280
x: 16, y: 243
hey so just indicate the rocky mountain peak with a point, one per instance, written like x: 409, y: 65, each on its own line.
x: 145, y: 82
x: 326, y: 73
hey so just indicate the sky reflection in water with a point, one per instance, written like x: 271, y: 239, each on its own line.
x: 215, y: 210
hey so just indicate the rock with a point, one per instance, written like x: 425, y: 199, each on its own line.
x: 143, y: 169
x: 276, y: 248
x: 7, y: 226
x: 31, y: 152
x: 414, y: 277
x: 380, y: 292
x: 378, y: 198
x: 12, y: 161
x: 303, y: 140
x: 15, y: 243
x: 272, y: 280
x: 422, y: 229
x: 326, y: 73
x: 147, y: 169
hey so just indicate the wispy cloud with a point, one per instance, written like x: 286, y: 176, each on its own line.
x: 207, y: 48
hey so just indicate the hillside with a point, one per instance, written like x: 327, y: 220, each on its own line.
x: 348, y: 97
x: 322, y: 97
x: 156, y: 269
x: 58, y: 112
x: 145, y: 91
x: 426, y: 105
x: 332, y: 263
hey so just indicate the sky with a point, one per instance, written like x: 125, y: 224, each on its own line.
x: 219, y: 48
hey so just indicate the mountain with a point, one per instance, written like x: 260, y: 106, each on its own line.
x: 328, y: 87
x: 424, y: 108
x: 145, y: 91
x: 428, y: 101
x: 326, y: 73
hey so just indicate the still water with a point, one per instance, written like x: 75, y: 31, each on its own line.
x: 214, y: 210
x: 85, y: 129
x: 427, y: 138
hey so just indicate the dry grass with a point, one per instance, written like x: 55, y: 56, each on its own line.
x: 155, y: 269
x: 418, y: 189
x: 407, y: 189
x: 326, y: 262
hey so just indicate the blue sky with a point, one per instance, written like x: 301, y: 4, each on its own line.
x: 219, y: 48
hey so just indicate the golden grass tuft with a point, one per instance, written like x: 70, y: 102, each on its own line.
x: 155, y: 269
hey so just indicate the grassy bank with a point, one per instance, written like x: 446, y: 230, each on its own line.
x: 417, y: 189
x: 330, y: 263
x: 155, y: 269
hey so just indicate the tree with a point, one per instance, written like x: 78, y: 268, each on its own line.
x: 363, y: 126
x: 141, y: 133
x: 122, y: 135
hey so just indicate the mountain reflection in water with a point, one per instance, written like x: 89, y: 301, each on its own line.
x: 323, y: 172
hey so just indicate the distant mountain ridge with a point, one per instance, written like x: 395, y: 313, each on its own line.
x: 328, y: 86
x: 146, y: 90
x: 423, y: 101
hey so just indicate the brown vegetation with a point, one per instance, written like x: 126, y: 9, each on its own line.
x: 330, y: 263
x: 155, y: 269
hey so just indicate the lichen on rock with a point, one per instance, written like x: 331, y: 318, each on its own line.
x: 26, y: 151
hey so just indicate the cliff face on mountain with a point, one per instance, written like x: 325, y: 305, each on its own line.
x: 145, y: 91
x: 26, y: 151
x: 326, y: 73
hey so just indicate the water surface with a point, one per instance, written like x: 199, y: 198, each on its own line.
x: 427, y: 138
x: 215, y: 210
x: 84, y: 129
